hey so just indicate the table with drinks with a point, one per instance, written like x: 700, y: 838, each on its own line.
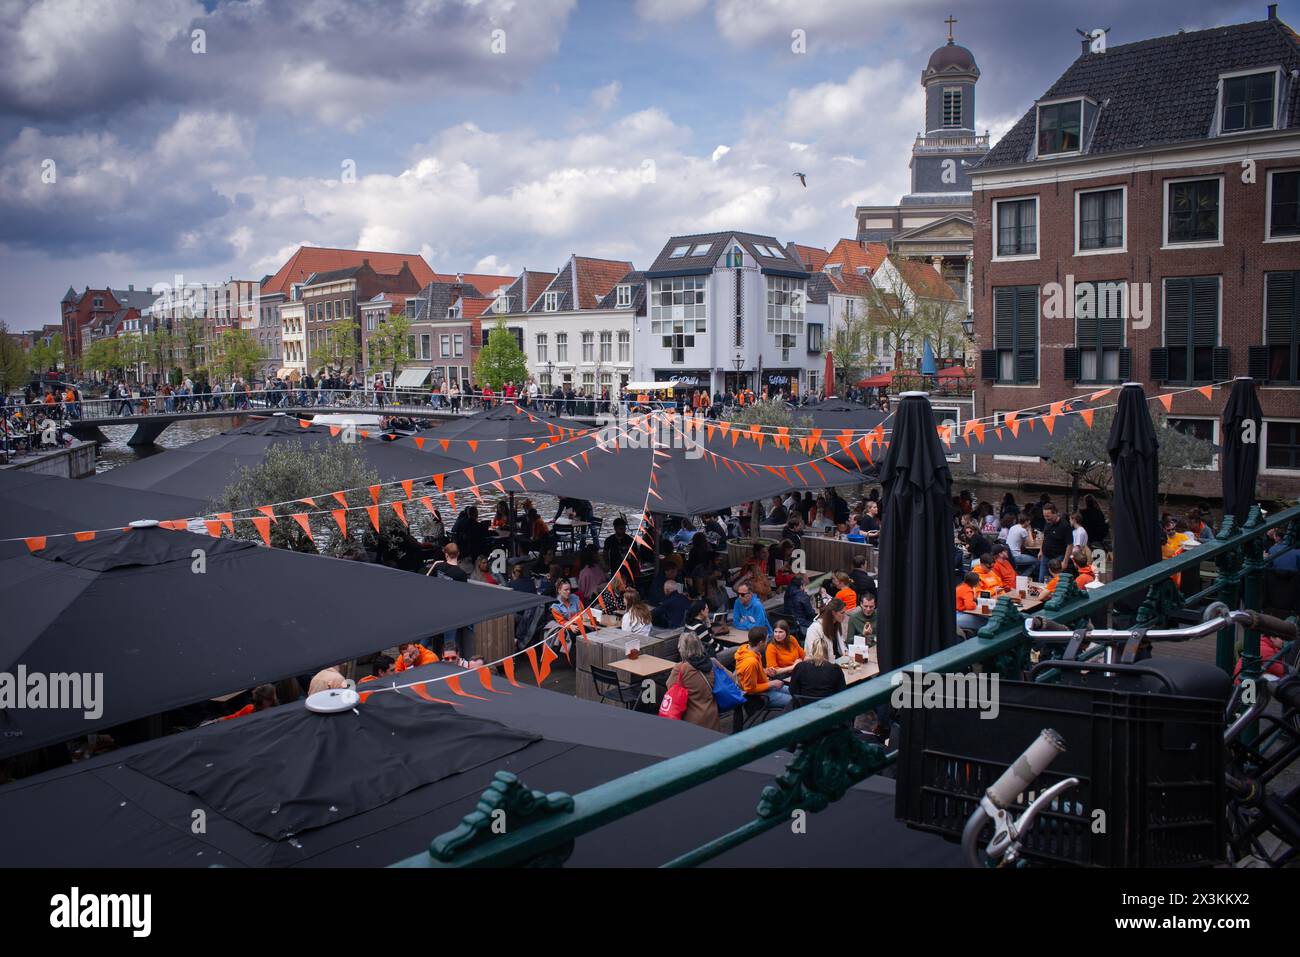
x: 609, y: 646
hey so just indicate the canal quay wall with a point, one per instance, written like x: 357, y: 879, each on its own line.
x: 74, y: 461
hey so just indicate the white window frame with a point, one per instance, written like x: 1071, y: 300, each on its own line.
x: 457, y: 345
x: 1122, y: 248
x: 1081, y: 100
x: 1263, y: 449
x: 680, y: 252
x: 551, y: 302
x: 700, y: 249
x: 444, y: 346
x: 426, y: 346
x: 1214, y: 437
x: 950, y: 414
x: 541, y: 346
x: 1219, y: 104
x: 1268, y: 207
x: 1164, y: 218
x: 1038, y: 229
x: 624, y: 298
x: 624, y: 346
x: 588, y: 340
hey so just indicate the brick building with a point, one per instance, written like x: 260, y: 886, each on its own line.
x: 1139, y: 223
x: 78, y: 310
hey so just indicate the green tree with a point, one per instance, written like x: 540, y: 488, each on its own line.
x: 338, y: 348
x: 103, y: 356
x: 42, y: 357
x: 388, y: 343
x: 238, y: 354
x: 501, y: 360
x: 1180, y: 451
x: 849, y: 345
x: 1080, y: 455
x: 14, y: 372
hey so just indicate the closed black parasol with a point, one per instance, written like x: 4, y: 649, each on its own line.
x: 1242, y: 419
x: 1135, y: 522
x: 917, y: 602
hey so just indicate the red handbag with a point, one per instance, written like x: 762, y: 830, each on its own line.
x: 674, y: 704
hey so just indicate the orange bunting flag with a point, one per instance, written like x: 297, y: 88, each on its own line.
x: 445, y: 443
x: 800, y: 474
x: 334, y: 431
x: 1167, y: 400
x: 373, y: 512
x: 308, y: 501
x: 340, y: 498
x: 451, y: 497
x: 813, y: 466
x: 1100, y: 395
x: 227, y: 521
x: 1013, y: 423
x: 419, y: 442
x: 304, y: 524
x: 267, y: 511
x: 469, y: 474
x: 1086, y: 415
x: 89, y: 536
x: 1207, y: 391
x: 519, y: 461
x: 365, y: 435
x: 35, y: 543
x: 453, y: 682
x: 556, y: 468
x: 508, y: 666
x: 374, y: 493
x: 438, y: 480
x: 473, y: 444
x: 400, y: 511
x: 263, y: 528
x: 499, y: 487
x: 406, y: 487
x: 214, y: 528
x: 428, y: 503
x: 304, y: 423
x: 341, y: 517
x: 176, y: 524
x: 422, y: 690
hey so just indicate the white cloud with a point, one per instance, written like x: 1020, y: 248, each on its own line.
x: 604, y: 97
x: 721, y: 151
x: 667, y: 11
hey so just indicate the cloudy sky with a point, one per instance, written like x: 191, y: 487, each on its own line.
x: 487, y: 135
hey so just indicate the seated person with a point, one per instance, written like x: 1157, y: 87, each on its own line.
x: 567, y: 608
x: 449, y: 565
x: 862, y: 620
x: 989, y: 580
x: 1053, y: 575
x: 672, y: 610
x: 817, y: 675
x: 1003, y: 566
x: 326, y: 679
x: 783, y: 651
x: 520, y: 580
x: 777, y: 514
x: 797, y: 604
x: 967, y: 607
x: 748, y: 611
x: 451, y: 655
x: 638, y: 617
x: 752, y: 674
x: 681, y: 539
x: 381, y: 667
x: 411, y: 654
x: 863, y: 583
x: 618, y: 544
x: 263, y: 697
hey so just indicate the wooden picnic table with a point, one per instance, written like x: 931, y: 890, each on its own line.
x: 643, y: 666
x: 604, y: 646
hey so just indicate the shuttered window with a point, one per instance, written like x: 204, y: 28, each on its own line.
x: 1191, y: 328
x: 1278, y: 359
x: 1099, y: 355
x: 1015, y: 334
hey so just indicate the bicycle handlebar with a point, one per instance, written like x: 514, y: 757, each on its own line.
x: 1043, y: 629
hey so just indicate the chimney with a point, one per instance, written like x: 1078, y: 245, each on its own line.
x: 365, y: 262
x: 1272, y: 11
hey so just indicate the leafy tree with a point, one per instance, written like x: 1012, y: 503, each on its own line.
x: 103, y: 355
x: 338, y: 349
x: 191, y: 340
x: 42, y: 357
x: 1180, y: 451
x: 850, y: 345
x: 14, y: 373
x: 501, y: 360
x: 388, y: 344
x: 238, y: 354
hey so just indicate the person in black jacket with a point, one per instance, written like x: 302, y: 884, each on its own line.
x: 1057, y: 539
x: 671, y: 612
x: 797, y: 606
x: 1094, y: 522
x: 816, y: 676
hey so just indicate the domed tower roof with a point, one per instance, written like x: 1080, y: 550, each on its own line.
x: 949, y: 59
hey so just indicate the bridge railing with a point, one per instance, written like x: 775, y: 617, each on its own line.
x: 829, y: 759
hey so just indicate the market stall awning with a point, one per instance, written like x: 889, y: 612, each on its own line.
x: 411, y: 378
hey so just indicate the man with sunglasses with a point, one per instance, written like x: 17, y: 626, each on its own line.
x: 748, y: 611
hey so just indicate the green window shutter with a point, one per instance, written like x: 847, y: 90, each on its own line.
x: 1178, y: 305
x: 1257, y: 363
x: 1280, y: 307
x: 1222, y: 364
x: 988, y: 364
x: 1205, y: 311
x: 1125, y: 364
x: 1004, y: 317
x: 1072, y: 365
x: 1160, y: 365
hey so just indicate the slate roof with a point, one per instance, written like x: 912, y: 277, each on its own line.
x: 581, y: 283
x: 523, y: 292
x: 717, y: 246
x: 813, y: 257
x: 1162, y: 91
x: 134, y: 298
x: 636, y: 279
x: 433, y: 301
x: 819, y: 286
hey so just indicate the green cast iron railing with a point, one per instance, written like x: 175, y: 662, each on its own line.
x: 828, y: 758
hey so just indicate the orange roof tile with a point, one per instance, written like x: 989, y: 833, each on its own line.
x: 813, y: 257
x: 473, y: 308
x: 922, y: 278
x: 313, y: 259
x: 851, y: 254
x: 596, y: 277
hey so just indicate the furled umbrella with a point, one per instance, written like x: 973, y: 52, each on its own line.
x: 1242, y: 418
x: 1134, y: 456
x: 916, y: 598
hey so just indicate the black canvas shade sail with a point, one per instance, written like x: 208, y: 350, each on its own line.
x: 1134, y: 454
x: 1243, y: 421
x: 359, y: 806
x: 166, y: 632
x: 916, y: 613
x: 43, y: 505
x: 202, y: 470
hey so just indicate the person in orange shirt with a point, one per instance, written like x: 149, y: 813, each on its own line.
x: 264, y: 697
x: 967, y: 619
x: 751, y: 673
x: 412, y: 654
x: 382, y: 667
x: 1054, y: 570
x: 783, y: 651
x: 989, y: 580
x: 1003, y: 566
x: 845, y: 592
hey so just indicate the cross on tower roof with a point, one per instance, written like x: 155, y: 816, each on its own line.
x: 950, y: 21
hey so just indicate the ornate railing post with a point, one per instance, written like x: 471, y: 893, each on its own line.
x: 1229, y: 565
x: 507, y: 804
x: 1013, y: 663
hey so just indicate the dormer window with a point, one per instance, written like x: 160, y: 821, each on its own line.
x: 502, y: 305
x: 624, y: 300
x: 735, y: 258
x: 1060, y: 127
x: 1248, y: 102
x: 551, y: 302
x: 680, y: 252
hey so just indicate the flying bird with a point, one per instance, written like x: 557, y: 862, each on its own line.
x: 802, y: 178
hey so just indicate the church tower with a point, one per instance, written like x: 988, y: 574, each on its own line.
x: 948, y: 145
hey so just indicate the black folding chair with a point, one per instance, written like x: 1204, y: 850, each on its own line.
x: 611, y: 689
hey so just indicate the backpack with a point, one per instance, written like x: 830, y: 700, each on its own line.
x: 674, y: 703
x: 726, y: 693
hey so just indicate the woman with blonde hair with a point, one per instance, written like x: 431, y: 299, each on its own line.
x: 636, y: 620
x: 695, y: 673
x: 817, y: 675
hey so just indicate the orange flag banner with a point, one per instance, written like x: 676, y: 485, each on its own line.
x: 438, y: 480
x: 227, y: 521
x: 1207, y: 391
x: 445, y: 443
x: 400, y: 511
x: 214, y: 528
x: 89, y: 536
x: 35, y: 543
x: 451, y: 497
x: 334, y: 431
x: 304, y: 524
x: 419, y: 442
x: 373, y: 512
x: 374, y: 493
x: 308, y: 501
x: 519, y: 461
x: 508, y: 666
x: 453, y: 682
x: 813, y: 466
x: 267, y: 511
x: 473, y: 444
x: 469, y: 474
x: 341, y: 517
x: 428, y: 503
x: 423, y: 692
x: 175, y: 524
x: 263, y: 528
x: 1086, y: 415
x: 496, y: 467
x: 485, y: 676
x: 340, y: 498
x: 406, y: 487
x: 1167, y: 400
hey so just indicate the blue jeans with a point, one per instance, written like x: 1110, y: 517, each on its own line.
x: 968, y: 622
x: 779, y: 699
x: 1024, y: 563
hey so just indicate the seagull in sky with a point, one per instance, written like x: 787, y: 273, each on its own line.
x: 802, y: 178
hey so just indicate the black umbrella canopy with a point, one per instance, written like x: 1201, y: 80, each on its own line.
x: 374, y: 786
x: 841, y: 414
x: 1134, y: 456
x: 34, y: 505
x: 916, y: 597
x: 203, y: 469
x: 1242, y: 423
x: 172, y: 618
